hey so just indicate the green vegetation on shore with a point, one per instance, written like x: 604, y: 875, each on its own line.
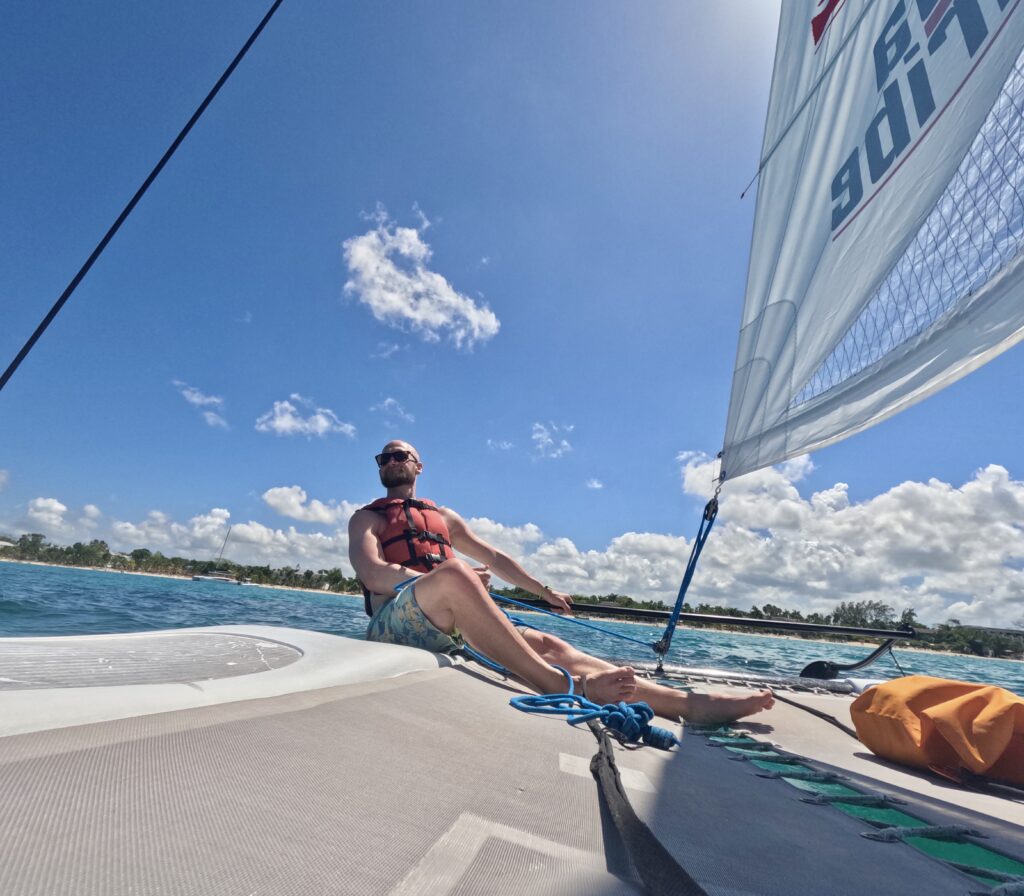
x: 949, y: 636
x: 33, y: 548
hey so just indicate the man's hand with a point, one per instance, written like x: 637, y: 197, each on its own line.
x: 485, y: 576
x: 561, y: 603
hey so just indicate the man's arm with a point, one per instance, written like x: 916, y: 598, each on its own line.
x: 367, y: 556
x: 469, y: 543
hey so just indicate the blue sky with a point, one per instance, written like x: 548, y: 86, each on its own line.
x: 561, y: 180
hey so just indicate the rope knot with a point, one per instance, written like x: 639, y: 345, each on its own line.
x: 630, y: 722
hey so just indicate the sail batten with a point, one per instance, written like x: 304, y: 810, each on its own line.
x: 766, y: 154
x: 888, y: 223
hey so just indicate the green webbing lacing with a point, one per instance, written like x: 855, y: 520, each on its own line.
x: 986, y: 865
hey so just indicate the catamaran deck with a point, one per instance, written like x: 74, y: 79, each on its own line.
x: 408, y: 779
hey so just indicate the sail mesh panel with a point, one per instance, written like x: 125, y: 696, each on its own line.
x: 976, y: 227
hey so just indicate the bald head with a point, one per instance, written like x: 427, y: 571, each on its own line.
x: 401, y: 446
x: 399, y: 465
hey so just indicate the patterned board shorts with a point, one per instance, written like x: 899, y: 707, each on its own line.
x: 401, y: 621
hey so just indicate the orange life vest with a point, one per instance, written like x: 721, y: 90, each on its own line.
x: 415, y: 535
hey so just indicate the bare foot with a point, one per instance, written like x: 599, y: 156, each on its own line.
x: 717, y: 709
x: 612, y: 686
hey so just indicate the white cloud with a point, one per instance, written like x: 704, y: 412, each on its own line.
x: 251, y: 542
x: 57, y: 521
x: 385, y: 350
x: 285, y: 419
x: 388, y: 273
x: 423, y: 219
x: 200, y: 400
x: 194, y: 397
x: 212, y: 418
x: 499, y: 445
x: 48, y: 513
x: 595, y: 483
x: 391, y: 408
x: 291, y: 501
x: 279, y: 547
x: 548, y: 440
x: 4, y: 477
x: 202, y: 535
x: 945, y: 550
x: 513, y: 540
x: 643, y: 565
x: 90, y: 516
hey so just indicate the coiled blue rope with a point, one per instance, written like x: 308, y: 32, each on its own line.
x: 630, y: 722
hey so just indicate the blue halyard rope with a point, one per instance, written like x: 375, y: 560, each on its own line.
x: 630, y: 722
x: 662, y: 645
x: 707, y: 521
x: 484, y: 661
x: 605, y: 631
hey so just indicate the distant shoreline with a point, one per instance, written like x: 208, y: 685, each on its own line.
x: 598, y: 618
x: 167, y: 575
x: 910, y: 645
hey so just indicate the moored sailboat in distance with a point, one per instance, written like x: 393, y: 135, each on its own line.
x: 216, y: 574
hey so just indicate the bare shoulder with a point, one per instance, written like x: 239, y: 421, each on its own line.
x: 364, y: 519
x: 451, y: 518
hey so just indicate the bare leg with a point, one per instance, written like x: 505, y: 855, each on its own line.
x: 452, y: 596
x: 701, y: 709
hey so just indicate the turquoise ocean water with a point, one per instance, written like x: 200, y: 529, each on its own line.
x: 43, y: 600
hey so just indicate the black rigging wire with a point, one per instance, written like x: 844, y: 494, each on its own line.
x: 108, y: 236
x: 832, y: 720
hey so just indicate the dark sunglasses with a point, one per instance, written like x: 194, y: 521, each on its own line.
x: 401, y: 456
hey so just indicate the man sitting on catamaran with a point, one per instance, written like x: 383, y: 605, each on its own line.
x: 418, y: 593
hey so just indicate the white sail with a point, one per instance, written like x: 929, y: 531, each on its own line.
x: 885, y: 262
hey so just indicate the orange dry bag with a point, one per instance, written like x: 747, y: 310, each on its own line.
x: 945, y: 726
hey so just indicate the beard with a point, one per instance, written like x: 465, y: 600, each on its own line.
x: 397, y: 474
